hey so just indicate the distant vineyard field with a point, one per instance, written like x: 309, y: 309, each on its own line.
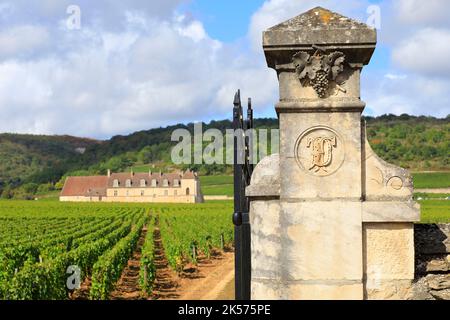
x: 217, y: 185
x: 435, y: 211
x: 423, y: 180
x: 41, y: 241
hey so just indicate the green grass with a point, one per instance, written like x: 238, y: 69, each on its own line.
x: 215, y: 180
x: 217, y: 185
x: 435, y: 211
x: 430, y: 180
x: 220, y: 190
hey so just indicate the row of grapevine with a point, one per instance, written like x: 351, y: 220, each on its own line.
x: 189, y: 232
x: 36, y: 269
x: 40, y: 241
x: 108, y: 268
x: 48, y: 280
x: 147, y: 274
x: 14, y: 255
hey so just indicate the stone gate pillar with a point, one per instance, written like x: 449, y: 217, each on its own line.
x: 329, y: 219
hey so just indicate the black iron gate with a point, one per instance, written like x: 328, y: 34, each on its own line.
x: 243, y: 169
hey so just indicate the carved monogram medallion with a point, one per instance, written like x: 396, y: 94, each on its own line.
x: 319, y: 69
x: 319, y: 151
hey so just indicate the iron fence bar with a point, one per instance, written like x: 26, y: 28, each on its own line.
x: 241, y: 221
x: 237, y: 216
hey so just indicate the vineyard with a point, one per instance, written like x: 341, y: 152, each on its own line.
x: 46, y: 246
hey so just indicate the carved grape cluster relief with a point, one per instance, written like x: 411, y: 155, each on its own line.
x: 319, y: 69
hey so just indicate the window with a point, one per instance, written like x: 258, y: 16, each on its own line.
x: 165, y: 183
x: 128, y: 193
x: 176, y: 183
x: 115, y: 193
x: 142, y: 193
x: 166, y: 192
x: 154, y: 183
x: 143, y: 183
x: 116, y: 183
x: 128, y: 183
x: 175, y: 192
x: 188, y: 191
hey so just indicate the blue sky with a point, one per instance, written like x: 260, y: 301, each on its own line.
x: 224, y: 20
x: 139, y: 64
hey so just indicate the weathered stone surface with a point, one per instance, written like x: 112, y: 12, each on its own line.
x: 291, y: 290
x: 432, y: 262
x: 384, y: 181
x: 391, y: 289
x: 439, y: 283
x: 325, y: 291
x: 323, y: 240
x: 322, y: 27
x: 432, y: 287
x: 437, y: 265
x: 390, y: 211
x: 266, y: 178
x: 388, y: 251
x: 343, y: 176
x: 267, y: 262
x: 267, y: 290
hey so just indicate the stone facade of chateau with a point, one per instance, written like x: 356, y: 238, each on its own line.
x: 183, y: 187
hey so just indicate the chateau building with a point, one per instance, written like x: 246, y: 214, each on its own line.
x: 183, y: 187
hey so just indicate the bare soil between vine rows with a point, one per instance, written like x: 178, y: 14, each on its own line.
x: 210, y: 279
x: 127, y: 287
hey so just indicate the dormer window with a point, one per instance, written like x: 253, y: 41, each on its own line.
x: 143, y: 183
x: 176, y: 183
x: 128, y: 183
x: 115, y: 183
x: 154, y: 183
x: 165, y: 183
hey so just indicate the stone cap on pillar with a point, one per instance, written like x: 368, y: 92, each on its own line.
x: 318, y: 57
x: 322, y: 28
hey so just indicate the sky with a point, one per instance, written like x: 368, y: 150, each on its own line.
x: 106, y: 67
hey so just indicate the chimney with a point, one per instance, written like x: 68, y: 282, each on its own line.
x: 109, y: 173
x: 149, y: 173
x: 132, y: 173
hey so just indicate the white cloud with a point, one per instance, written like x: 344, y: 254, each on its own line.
x: 103, y: 83
x: 22, y: 40
x: 193, y: 30
x: 412, y: 94
x: 419, y: 12
x: 426, y: 52
x: 108, y: 14
x: 392, y: 76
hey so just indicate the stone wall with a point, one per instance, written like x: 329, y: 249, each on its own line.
x: 432, y: 246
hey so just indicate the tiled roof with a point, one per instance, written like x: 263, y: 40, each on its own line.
x: 148, y: 177
x: 85, y: 186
